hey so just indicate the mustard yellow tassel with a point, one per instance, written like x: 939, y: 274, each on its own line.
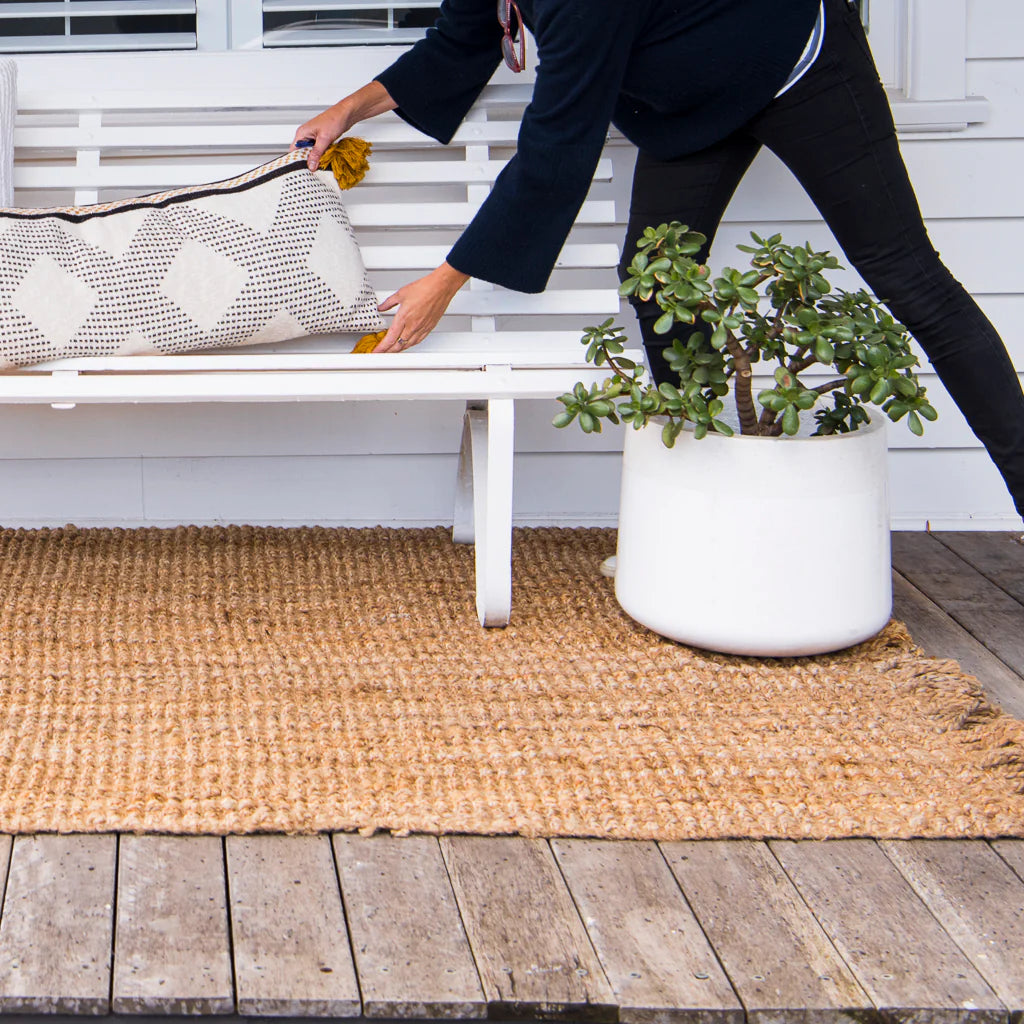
x: 368, y: 342
x: 347, y: 158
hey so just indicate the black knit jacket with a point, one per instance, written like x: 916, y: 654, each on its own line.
x: 674, y: 76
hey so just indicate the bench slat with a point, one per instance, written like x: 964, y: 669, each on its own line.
x: 222, y: 137
x: 413, y: 214
x: 442, y: 350
x: 161, y: 175
x: 488, y: 382
x: 500, y: 302
x: 421, y: 257
x: 376, y: 215
x: 312, y: 94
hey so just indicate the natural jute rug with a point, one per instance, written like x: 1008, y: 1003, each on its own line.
x: 216, y: 680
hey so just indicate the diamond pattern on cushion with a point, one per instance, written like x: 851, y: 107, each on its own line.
x: 55, y: 302
x: 280, y: 328
x: 333, y: 261
x: 203, y: 283
x: 255, y: 208
x: 114, y: 235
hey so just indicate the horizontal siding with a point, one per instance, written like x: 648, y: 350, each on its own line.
x: 955, y: 179
x: 948, y: 490
x: 995, y: 28
x: 333, y: 490
x: 405, y: 490
x: 392, y: 462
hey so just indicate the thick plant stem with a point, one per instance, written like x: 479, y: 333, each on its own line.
x: 743, y: 387
x: 766, y: 424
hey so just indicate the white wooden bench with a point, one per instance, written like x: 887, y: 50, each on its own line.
x: 494, y: 347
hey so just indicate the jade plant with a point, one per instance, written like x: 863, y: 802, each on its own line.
x: 779, y: 320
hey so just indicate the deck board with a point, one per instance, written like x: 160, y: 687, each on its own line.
x: 410, y: 948
x: 900, y: 954
x: 999, y: 557
x: 985, y: 610
x: 5, y: 860
x: 171, y: 946
x: 937, y: 634
x: 775, y: 953
x: 660, y: 964
x: 979, y: 902
x: 1012, y: 853
x: 531, y: 949
x: 57, y: 923
x: 291, y: 949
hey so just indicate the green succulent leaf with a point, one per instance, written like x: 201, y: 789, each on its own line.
x: 664, y: 323
x: 790, y: 420
x: 823, y: 351
x: 880, y: 392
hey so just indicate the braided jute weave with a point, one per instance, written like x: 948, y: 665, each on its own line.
x: 242, y: 679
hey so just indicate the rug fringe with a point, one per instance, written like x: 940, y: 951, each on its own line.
x: 956, y: 701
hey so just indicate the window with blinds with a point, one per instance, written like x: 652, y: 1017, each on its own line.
x: 345, y: 22
x: 49, y: 26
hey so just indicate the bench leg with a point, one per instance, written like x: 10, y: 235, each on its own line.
x: 485, y: 480
x: 462, y: 527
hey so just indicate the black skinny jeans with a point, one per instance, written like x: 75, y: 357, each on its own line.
x: 834, y: 130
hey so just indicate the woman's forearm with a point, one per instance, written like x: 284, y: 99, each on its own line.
x: 369, y: 101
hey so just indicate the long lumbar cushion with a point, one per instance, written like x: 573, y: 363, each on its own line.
x: 260, y: 258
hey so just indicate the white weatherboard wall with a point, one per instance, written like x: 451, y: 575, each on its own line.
x: 362, y: 464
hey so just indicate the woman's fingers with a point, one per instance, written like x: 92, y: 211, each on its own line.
x: 392, y: 341
x: 403, y: 332
x: 322, y: 130
x: 420, y: 306
x: 321, y: 143
x: 417, y: 312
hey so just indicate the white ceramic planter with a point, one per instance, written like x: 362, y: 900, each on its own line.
x: 717, y: 547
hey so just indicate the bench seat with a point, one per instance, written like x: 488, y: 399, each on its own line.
x: 493, y: 347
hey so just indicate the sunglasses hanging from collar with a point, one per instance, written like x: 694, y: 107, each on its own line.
x: 512, y: 50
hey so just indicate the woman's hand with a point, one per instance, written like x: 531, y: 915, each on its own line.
x: 323, y: 129
x: 421, y: 305
x: 327, y: 126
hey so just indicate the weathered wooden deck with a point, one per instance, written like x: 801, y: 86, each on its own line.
x: 502, y: 928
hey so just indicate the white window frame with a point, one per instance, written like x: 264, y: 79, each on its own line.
x: 920, y: 47
x: 61, y: 15
x: 245, y: 21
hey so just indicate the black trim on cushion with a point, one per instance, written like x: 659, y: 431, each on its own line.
x: 147, y: 202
